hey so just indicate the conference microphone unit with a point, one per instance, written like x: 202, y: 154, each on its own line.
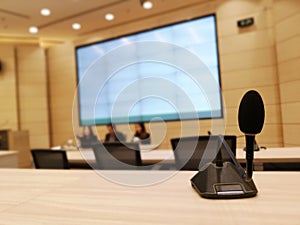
x: 230, y: 180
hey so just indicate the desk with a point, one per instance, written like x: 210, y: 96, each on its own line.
x: 284, y: 155
x: 148, y: 156
x: 271, y: 155
x: 8, y: 159
x: 77, y: 197
x: 288, y: 154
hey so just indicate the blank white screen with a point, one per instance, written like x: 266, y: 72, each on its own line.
x: 127, y: 87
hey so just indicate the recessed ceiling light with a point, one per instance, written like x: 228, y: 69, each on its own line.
x: 45, y: 12
x: 33, y: 30
x: 147, y: 5
x: 76, y: 26
x: 109, y: 17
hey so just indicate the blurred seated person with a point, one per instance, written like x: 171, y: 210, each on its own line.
x: 113, y: 135
x: 88, y: 138
x: 141, y: 135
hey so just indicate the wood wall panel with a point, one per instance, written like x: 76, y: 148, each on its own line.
x: 8, y: 89
x: 284, y: 10
x: 34, y: 103
x: 62, y: 83
x: 23, y: 95
x: 227, y: 26
x: 291, y: 134
x: 246, y: 41
x: 290, y: 113
x: 269, y: 94
x: 289, y: 49
x: 31, y: 116
x: 241, y: 8
x: 248, y: 59
x: 63, y: 114
x: 287, y: 30
x: 33, y: 97
x: 248, y: 78
x: 289, y: 70
x: 290, y: 91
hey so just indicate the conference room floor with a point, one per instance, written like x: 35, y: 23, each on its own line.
x: 85, y: 197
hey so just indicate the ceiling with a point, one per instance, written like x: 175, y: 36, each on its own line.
x: 16, y: 16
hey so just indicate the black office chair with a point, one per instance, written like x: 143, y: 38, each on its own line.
x: 117, y: 156
x: 188, y: 151
x: 50, y: 159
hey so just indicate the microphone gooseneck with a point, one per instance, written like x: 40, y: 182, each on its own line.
x: 251, y: 120
x: 249, y: 155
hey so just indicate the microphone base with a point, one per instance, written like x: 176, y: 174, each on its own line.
x: 222, y: 183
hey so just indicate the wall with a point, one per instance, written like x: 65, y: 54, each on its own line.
x: 248, y: 60
x: 287, y: 32
x: 62, y: 83
x: 33, y: 95
x: 23, y: 96
x: 8, y: 93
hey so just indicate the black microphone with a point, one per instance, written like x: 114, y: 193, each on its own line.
x: 251, y: 118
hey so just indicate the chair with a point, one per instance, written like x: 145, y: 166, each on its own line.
x: 50, y: 159
x: 117, y: 156
x: 188, y: 151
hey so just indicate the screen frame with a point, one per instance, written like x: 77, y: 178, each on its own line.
x: 145, y: 30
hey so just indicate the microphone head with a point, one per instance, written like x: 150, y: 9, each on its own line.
x: 251, y: 113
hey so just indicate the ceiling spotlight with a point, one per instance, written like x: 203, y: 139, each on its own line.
x: 45, y: 12
x: 146, y: 4
x: 76, y: 26
x: 33, y: 30
x: 109, y: 16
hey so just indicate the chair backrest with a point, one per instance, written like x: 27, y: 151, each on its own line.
x: 50, y: 159
x: 117, y: 156
x: 188, y: 151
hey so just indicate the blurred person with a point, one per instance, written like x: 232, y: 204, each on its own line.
x: 113, y: 135
x: 88, y: 138
x: 141, y: 135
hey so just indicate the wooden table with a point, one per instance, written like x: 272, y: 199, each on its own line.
x: 74, y: 197
x: 287, y: 154
x: 148, y: 156
x: 283, y: 155
x: 271, y: 155
x: 8, y: 159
